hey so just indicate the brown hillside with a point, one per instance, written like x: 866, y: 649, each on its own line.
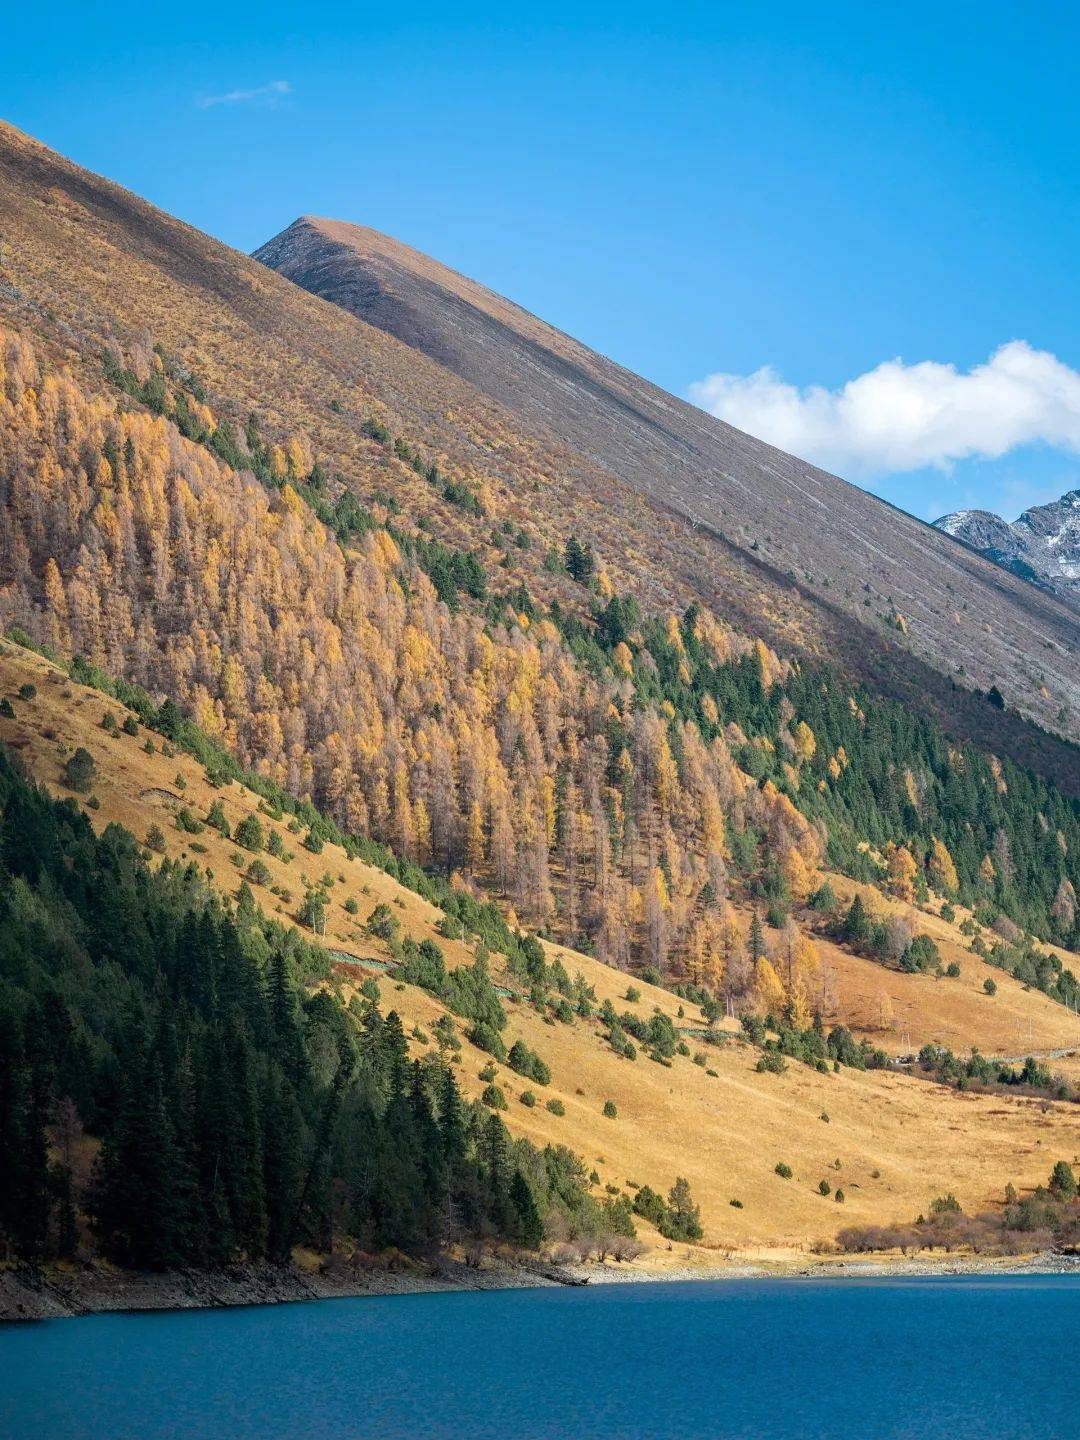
x: 898, y: 1140
x: 85, y: 261
x: 778, y: 521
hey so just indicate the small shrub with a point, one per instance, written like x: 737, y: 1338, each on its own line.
x: 216, y: 818
x: 155, y: 840
x: 494, y: 1098
x: 249, y: 834
x: 526, y: 1062
x: 784, y: 1171
x: 186, y: 821
x: 528, y: 1099
x: 735, y: 1204
x: 383, y: 923
x: 839, y: 1197
x: 369, y: 988
x: 1063, y: 1180
x: 771, y: 1063
x: 556, y: 1107
x: 990, y: 986
x: 824, y: 1188
x: 611, y: 1111
x: 823, y: 899
x: 27, y: 691
x: 257, y: 873
x: 7, y: 710
x: 80, y: 770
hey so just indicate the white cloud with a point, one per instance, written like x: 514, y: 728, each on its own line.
x: 268, y: 95
x: 901, y: 417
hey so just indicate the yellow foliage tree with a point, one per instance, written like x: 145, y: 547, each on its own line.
x: 902, y: 872
x: 805, y: 741
x: 769, y: 990
x: 943, y: 874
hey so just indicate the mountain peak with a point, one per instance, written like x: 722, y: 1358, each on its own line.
x: 1042, y: 545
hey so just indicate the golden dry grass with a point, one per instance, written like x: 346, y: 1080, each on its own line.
x: 899, y: 1140
x: 957, y: 1013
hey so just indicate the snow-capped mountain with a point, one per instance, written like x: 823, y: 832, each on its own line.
x: 1043, y: 545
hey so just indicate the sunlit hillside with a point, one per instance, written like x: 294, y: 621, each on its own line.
x: 889, y: 1142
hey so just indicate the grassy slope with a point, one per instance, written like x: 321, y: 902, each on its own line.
x: 724, y: 1132
x: 956, y: 1013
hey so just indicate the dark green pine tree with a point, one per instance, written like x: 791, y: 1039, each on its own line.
x: 284, y: 1019
x: 856, y: 927
x: 757, y: 938
x: 246, y: 1182
x: 25, y: 1191
x: 135, y: 1200
x: 283, y: 1160
x: 530, y: 1227
x: 496, y: 1163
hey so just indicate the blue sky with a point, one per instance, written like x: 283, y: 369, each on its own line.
x: 777, y: 197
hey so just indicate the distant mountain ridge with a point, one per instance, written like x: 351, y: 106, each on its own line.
x: 1042, y: 544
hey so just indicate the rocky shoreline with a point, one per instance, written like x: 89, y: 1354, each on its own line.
x: 93, y: 1288
x: 62, y: 1291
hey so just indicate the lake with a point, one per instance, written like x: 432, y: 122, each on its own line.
x: 981, y: 1358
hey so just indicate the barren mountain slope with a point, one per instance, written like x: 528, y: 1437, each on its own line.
x: 841, y: 545
x: 899, y: 1140
x: 84, y: 260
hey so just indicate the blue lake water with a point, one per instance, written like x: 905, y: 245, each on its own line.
x: 967, y: 1359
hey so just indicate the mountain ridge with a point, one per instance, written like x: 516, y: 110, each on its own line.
x: 86, y: 262
x: 819, y: 534
x: 1042, y: 545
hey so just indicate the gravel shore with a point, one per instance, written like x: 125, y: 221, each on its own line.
x: 88, y: 1289
x: 70, y: 1290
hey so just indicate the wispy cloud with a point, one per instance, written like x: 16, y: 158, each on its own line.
x: 896, y: 417
x: 268, y: 96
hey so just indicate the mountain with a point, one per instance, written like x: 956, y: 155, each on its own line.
x: 792, y: 551
x: 333, y: 665
x: 86, y: 263
x: 1042, y: 545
